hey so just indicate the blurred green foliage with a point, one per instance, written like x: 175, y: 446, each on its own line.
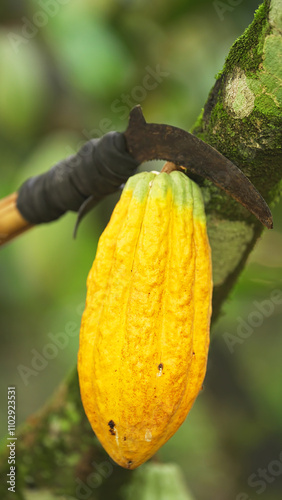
x: 72, y: 73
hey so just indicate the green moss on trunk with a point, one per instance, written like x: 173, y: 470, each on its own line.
x: 243, y: 120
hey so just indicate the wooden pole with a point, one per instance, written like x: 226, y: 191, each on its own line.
x: 12, y: 223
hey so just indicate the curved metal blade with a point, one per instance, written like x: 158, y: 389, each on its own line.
x: 152, y: 141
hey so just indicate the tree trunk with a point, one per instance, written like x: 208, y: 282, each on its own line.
x: 57, y: 452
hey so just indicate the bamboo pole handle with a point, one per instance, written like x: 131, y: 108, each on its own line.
x: 12, y: 222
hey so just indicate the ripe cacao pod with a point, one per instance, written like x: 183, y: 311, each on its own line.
x: 145, y: 330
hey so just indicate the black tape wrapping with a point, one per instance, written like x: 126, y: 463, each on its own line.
x: 99, y: 168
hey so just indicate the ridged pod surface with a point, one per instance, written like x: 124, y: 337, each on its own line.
x: 144, y: 335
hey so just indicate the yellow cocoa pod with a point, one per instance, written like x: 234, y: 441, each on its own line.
x: 145, y: 330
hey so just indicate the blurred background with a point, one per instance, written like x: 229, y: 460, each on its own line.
x: 71, y: 70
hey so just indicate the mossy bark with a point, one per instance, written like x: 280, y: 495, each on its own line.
x: 57, y: 452
x: 243, y: 120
